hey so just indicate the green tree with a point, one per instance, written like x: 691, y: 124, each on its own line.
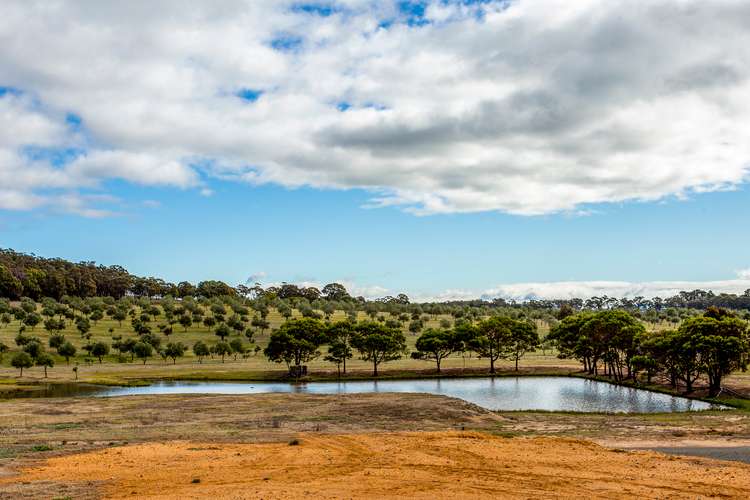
x: 436, y: 345
x: 66, y: 350
x: 56, y: 340
x: 222, y: 349
x: 715, y: 347
x: 143, y: 351
x: 523, y: 338
x: 222, y: 331
x: 174, y: 350
x: 377, y: 343
x: 34, y: 348
x: 186, y: 321
x: 32, y: 319
x: 100, y: 349
x: 237, y: 347
x: 338, y: 353
x: 339, y: 335
x: 44, y: 360
x: 22, y: 360
x: 83, y: 325
x: 3, y: 349
x: 296, y: 342
x: 201, y: 350
x: 493, y: 339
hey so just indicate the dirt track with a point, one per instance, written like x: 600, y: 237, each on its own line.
x: 417, y: 465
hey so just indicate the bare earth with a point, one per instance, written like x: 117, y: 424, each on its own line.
x: 391, y: 465
x: 363, y: 445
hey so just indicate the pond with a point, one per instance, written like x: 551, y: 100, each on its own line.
x: 502, y: 393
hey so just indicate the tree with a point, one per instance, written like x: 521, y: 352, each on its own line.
x: 712, y: 346
x: 66, y: 350
x: 493, y: 339
x: 22, y: 360
x: 201, y: 350
x: 415, y: 326
x: 32, y: 319
x: 54, y: 326
x: 222, y: 349
x: 378, y: 343
x: 3, y: 349
x: 46, y: 361
x: 296, y: 342
x: 10, y: 286
x: 209, y: 321
x: 338, y: 353
x: 119, y: 316
x: 436, y: 345
x: 339, y: 336
x: 96, y: 315
x: 34, y: 348
x: 174, y: 350
x: 260, y: 323
x: 83, y: 325
x: 570, y: 341
x: 523, y: 338
x: 143, y: 351
x: 186, y: 321
x: 56, y: 340
x: 237, y: 347
x: 100, y: 349
x: 223, y: 331
x: 335, y: 291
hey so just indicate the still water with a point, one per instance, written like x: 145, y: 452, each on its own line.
x: 503, y: 393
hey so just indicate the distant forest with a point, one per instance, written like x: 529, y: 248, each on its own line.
x: 27, y: 275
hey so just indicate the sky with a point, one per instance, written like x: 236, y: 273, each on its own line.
x: 442, y: 148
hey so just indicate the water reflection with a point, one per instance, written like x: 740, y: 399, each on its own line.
x: 503, y: 393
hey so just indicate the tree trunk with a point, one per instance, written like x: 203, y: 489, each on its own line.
x: 375, y: 368
x: 344, y: 364
x: 516, y: 363
x: 492, y: 365
x: 438, y: 365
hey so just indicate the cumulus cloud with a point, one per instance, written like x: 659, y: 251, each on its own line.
x: 525, y: 106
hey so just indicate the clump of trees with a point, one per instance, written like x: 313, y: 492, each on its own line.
x: 711, y: 346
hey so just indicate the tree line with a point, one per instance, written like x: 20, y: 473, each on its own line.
x: 27, y: 275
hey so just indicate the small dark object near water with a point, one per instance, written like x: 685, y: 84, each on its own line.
x: 294, y: 442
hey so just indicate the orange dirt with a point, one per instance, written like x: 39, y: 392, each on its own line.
x: 388, y: 465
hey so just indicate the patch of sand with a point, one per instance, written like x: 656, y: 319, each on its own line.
x: 389, y: 465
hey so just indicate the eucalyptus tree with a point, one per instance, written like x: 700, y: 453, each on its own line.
x: 378, y: 344
x: 493, y: 339
x: 296, y: 342
x: 201, y: 350
x: 339, y: 335
x: 436, y: 345
x: 174, y: 350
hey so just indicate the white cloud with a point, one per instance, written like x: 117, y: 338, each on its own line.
x: 744, y: 274
x: 532, y: 107
x: 586, y: 289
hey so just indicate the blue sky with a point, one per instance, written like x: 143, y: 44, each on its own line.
x: 444, y: 148
x: 309, y: 235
